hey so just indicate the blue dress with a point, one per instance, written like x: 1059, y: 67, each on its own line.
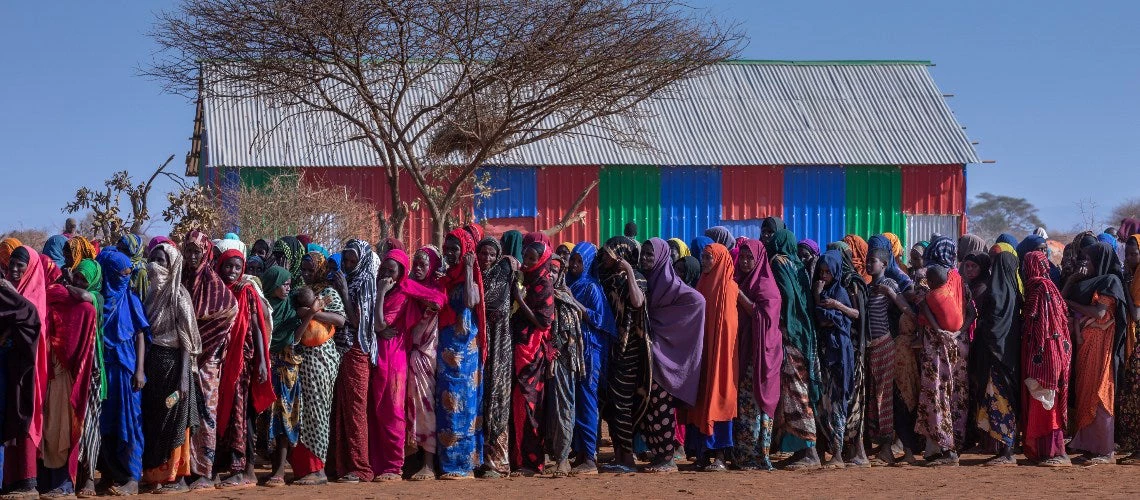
x: 458, y: 391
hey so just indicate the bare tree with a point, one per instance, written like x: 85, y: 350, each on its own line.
x: 1128, y: 209
x: 436, y: 88
x: 104, y: 204
x: 190, y: 208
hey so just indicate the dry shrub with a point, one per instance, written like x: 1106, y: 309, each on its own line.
x: 291, y: 204
x: 34, y: 238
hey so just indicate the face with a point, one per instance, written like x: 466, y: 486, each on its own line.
x: 282, y: 292
x: 278, y: 259
x: 1131, y: 254
x: 530, y: 257
x: 824, y: 274
x: 16, y: 270
x: 309, y: 271
x: 555, y: 269
x: 805, y: 254
x: 191, y: 256
x: 390, y: 269
x: 674, y: 253
x: 970, y: 270
x: 159, y: 257
x: 231, y: 270
x: 562, y: 251
x: 647, y: 257
x: 607, y: 259
x: 451, y: 251
x: 420, y: 267
x: 1084, y: 262
x: 916, y: 257
x: 766, y: 235
x: 487, y: 256
x: 349, y: 259
x: 577, y: 266
x: 256, y: 269
x: 79, y: 281
x: 745, y: 261
x: 262, y: 252
x: 875, y: 267
x: 706, y: 263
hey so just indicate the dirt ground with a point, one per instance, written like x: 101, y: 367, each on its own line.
x: 967, y: 481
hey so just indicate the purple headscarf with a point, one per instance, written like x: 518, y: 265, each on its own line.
x: 811, y: 244
x: 676, y: 325
x: 765, y: 342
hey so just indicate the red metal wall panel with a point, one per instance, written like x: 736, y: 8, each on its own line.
x: 558, y: 187
x: 496, y: 227
x: 934, y: 189
x: 752, y: 192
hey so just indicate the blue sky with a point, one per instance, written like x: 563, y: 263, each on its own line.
x: 1047, y: 87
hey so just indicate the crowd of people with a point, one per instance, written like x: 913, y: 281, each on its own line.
x: 167, y: 366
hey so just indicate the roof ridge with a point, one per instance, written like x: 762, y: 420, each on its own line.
x: 826, y: 62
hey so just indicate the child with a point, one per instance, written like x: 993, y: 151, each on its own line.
x: 833, y: 314
x: 883, y: 299
x: 313, y: 332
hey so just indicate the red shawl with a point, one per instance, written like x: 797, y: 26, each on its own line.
x: 457, y: 275
x: 214, y: 305
x: 947, y: 303
x: 250, y: 309
x: 72, y: 328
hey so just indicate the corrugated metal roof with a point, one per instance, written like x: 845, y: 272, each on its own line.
x: 737, y: 113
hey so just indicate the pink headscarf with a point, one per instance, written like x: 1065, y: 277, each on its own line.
x: 33, y: 286
x: 764, y: 344
x: 402, y: 304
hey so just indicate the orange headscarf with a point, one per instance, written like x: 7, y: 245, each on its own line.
x: 77, y: 249
x: 858, y: 255
x: 716, y: 399
x: 897, y: 250
x: 6, y: 247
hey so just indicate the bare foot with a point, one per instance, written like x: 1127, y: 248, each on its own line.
x: 312, y: 479
x: 836, y: 462
x: 587, y: 468
x: 809, y: 460
x: 202, y: 483
x: 131, y: 488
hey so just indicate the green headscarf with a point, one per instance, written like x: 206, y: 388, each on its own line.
x: 93, y: 273
x: 285, y: 319
x: 794, y: 284
x: 513, y: 244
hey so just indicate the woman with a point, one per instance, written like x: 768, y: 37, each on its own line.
x: 215, y: 310
x: 995, y: 386
x: 769, y: 227
x: 598, y: 331
x: 1097, y: 305
x: 676, y: 329
x: 348, y: 460
x: 462, y: 346
x: 858, y: 291
x: 171, y: 368
x: 513, y: 244
x: 716, y: 404
x: 1045, y: 360
x: 405, y: 304
x: 721, y: 235
x: 894, y: 270
x: 316, y: 376
x: 125, y: 335
x: 132, y: 246
x: 916, y: 253
x: 678, y: 249
x: 833, y: 315
x: 20, y: 336
x: 896, y: 250
x: 940, y: 407
x: 245, y: 389
x: 761, y: 354
x: 566, y: 369
x: 859, y: 250
x: 808, y: 251
x: 7, y: 246
x: 89, y: 275
x: 629, y: 374
x: 499, y: 278
x: 970, y: 244
x: 530, y: 329
x: 287, y: 253
x: 282, y: 419
x: 71, y: 334
x: 1130, y: 393
x: 564, y: 250
x: 261, y: 250
x: 76, y: 250
x: 422, y: 367
x: 697, y: 246
x: 689, y: 269
x: 800, y: 382
x: 975, y: 269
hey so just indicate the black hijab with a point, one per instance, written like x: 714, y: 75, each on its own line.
x: 996, y: 346
x: 1104, y: 280
x: 689, y: 270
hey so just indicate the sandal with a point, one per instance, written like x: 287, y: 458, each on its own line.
x: 524, y: 472
x: 878, y: 462
x: 1001, y: 462
x: 230, y: 484
x: 1094, y: 461
x: 943, y: 460
x: 1132, y: 459
x: 171, y: 489
x: 349, y: 478
x: 716, y: 466
x: 660, y: 468
x: 274, y: 482
x: 455, y: 476
x: 311, y: 480
x: 428, y: 476
x: 388, y: 477
x: 584, y: 470
x: 1055, y: 462
x: 618, y: 469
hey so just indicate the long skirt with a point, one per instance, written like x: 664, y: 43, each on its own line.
x: 235, y: 448
x: 586, y: 395
x: 122, y: 427
x: 166, y: 457
x: 838, y: 375
x: 348, y: 446
x: 387, y: 424
x: 1044, y: 429
x: 526, y: 402
x: 59, y: 445
x: 659, y: 424
x: 421, y: 387
x: 560, y: 409
x: 797, y: 416
x: 20, y: 463
x: 204, y: 440
x: 1095, y: 387
x: 855, y: 426
x: 937, y: 401
x: 498, y: 379
x: 1128, y: 406
x: 91, y: 439
x: 458, y: 400
x: 316, y: 378
x: 629, y: 379
x: 995, y: 413
x: 752, y: 429
x: 881, y: 390
x: 284, y: 414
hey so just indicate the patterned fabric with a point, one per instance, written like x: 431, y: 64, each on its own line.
x: 531, y: 358
x: 289, y: 251
x: 458, y: 390
x: 568, y: 367
x: 360, y: 331
x: 1046, y: 362
x: 797, y: 414
x: 629, y: 374
x: 132, y: 246
x: 659, y: 423
x: 881, y: 389
x: 317, y: 376
x: 166, y: 457
x: 936, y: 403
x: 284, y: 415
x: 422, y: 352
x: 1095, y: 384
x: 752, y: 428
x: 995, y: 413
x: 76, y: 250
x: 498, y: 372
x: 348, y: 450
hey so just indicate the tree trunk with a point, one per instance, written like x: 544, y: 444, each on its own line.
x: 571, y: 216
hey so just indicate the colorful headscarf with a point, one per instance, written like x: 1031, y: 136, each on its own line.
x: 717, y: 394
x: 1110, y: 239
x: 285, y: 320
x: 1128, y: 227
x: 1045, y: 331
x: 896, y: 248
x: 362, y: 292
x: 588, y: 291
x: 893, y: 271
x: 214, y: 306
x: 859, y: 250
x: 810, y: 244
x: 169, y: 306
x: 697, y: 247
x: 124, y: 315
x: 313, y: 247
x: 53, y: 249
x: 513, y: 244
x: 133, y: 244
x: 680, y: 246
x: 970, y: 244
x: 304, y: 239
x: 7, y: 246
x: 457, y: 275
x: 435, y: 266
x: 676, y: 325
x: 156, y: 241
x: 1007, y: 238
x: 942, y: 252
x: 231, y: 242
x: 293, y: 250
x: 77, y: 249
x: 721, y: 234
x: 764, y: 346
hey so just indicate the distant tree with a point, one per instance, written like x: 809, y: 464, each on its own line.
x: 1129, y: 209
x: 104, y: 204
x: 34, y: 238
x: 435, y: 89
x: 991, y: 215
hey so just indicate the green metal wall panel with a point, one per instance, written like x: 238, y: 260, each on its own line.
x: 255, y: 177
x: 874, y: 201
x: 629, y: 193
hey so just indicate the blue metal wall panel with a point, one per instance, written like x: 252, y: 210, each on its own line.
x: 230, y: 186
x: 814, y: 202
x: 513, y: 193
x: 747, y: 228
x: 690, y: 201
